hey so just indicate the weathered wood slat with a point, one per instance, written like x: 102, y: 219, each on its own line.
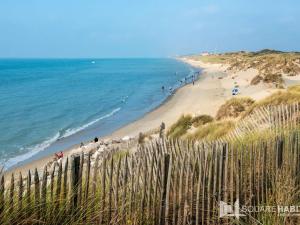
x: 103, y: 192
x: 44, y: 194
x: 58, y: 187
x: 37, y: 194
x: 20, y: 195
x: 2, y: 199
x: 65, y: 182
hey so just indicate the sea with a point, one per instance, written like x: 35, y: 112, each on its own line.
x: 48, y: 105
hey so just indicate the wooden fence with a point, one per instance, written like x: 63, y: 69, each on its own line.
x: 279, y: 118
x: 163, y: 182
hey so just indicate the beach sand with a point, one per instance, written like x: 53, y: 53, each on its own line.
x: 208, y: 93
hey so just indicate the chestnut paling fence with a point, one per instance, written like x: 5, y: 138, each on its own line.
x: 277, y: 119
x: 168, y: 182
x: 163, y: 182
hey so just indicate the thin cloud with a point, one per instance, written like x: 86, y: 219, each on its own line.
x: 211, y: 9
x: 204, y: 10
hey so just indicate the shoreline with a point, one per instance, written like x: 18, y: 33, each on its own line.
x: 210, y: 91
x: 74, y: 149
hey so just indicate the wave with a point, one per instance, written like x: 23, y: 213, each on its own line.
x: 70, y: 132
x: 192, y: 71
x: 31, y: 151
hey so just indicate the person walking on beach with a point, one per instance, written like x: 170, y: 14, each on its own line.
x: 162, y: 130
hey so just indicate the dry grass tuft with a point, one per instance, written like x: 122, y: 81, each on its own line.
x: 256, y: 80
x: 212, y: 131
x: 180, y: 127
x: 294, y: 89
x: 201, y: 120
x: 291, y: 95
x: 274, y: 78
x: 234, y: 107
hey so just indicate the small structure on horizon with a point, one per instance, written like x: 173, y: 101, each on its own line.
x: 205, y: 53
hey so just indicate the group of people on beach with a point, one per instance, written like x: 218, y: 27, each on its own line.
x: 60, y: 155
x: 185, y: 81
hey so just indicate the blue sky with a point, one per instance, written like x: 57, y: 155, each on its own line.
x: 149, y: 28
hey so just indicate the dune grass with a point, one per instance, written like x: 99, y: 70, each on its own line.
x: 185, y: 122
x: 180, y: 127
x: 206, y: 127
x: 212, y: 131
x: 213, y: 59
x: 234, y: 107
x: 270, y: 64
x: 291, y: 95
x: 201, y: 120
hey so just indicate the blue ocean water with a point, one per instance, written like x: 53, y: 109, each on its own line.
x: 49, y: 104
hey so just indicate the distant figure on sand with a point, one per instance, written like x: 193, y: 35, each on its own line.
x: 59, y: 155
x: 95, y: 139
x: 162, y: 129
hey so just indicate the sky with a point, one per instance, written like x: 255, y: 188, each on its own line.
x: 145, y: 28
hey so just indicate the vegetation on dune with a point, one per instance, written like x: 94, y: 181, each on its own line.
x: 229, y: 116
x: 269, y: 78
x: 201, y: 120
x: 273, y: 78
x: 180, y: 127
x: 291, y: 95
x: 271, y: 64
x: 185, y: 122
x: 234, y: 107
x: 213, y: 58
x: 212, y: 131
x: 256, y: 80
x: 294, y: 89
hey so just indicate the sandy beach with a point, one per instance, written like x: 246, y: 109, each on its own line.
x: 208, y: 93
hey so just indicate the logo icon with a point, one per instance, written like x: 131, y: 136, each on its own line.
x: 229, y: 210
